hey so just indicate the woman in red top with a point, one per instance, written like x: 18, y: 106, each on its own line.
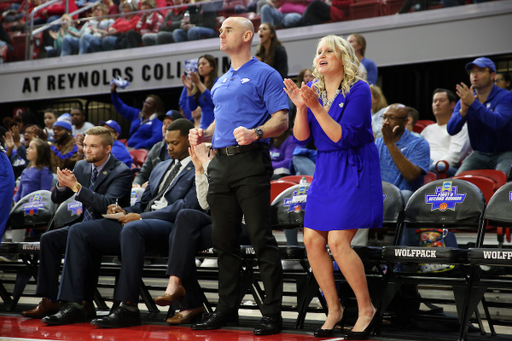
x: 122, y: 25
x: 149, y: 22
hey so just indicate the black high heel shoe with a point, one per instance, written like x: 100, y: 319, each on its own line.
x: 330, y: 332
x: 350, y: 335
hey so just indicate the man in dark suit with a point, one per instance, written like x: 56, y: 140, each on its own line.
x: 99, y: 180
x: 145, y: 225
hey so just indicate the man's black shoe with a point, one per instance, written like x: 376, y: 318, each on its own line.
x: 119, y: 318
x: 68, y: 314
x: 269, y: 324
x: 217, y: 320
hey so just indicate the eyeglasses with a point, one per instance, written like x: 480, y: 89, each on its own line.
x: 393, y: 118
x: 499, y: 80
x: 478, y: 71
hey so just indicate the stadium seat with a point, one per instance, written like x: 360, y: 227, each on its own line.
x: 139, y: 156
x: 33, y: 210
x: 429, y: 177
x: 442, y: 204
x: 485, y: 184
x: 499, y: 177
x: 124, y: 141
x: 362, y: 9
x: 392, y: 6
x: 421, y: 124
x: 67, y: 213
x: 277, y: 186
x: 297, y: 178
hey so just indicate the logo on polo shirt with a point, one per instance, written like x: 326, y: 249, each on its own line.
x: 244, y: 80
x: 445, y: 197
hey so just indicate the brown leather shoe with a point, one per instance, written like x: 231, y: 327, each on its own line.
x: 168, y: 299
x: 179, y: 318
x: 43, y: 309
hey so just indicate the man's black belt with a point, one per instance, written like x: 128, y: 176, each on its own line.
x: 233, y: 150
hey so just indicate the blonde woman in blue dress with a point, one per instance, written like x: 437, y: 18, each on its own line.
x: 346, y: 192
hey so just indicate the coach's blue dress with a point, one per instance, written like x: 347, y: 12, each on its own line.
x: 346, y: 192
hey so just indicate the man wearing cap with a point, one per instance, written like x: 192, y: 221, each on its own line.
x: 158, y: 152
x: 98, y: 181
x: 64, y: 149
x: 118, y: 149
x: 488, y: 110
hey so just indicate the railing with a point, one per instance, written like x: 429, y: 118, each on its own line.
x: 30, y: 27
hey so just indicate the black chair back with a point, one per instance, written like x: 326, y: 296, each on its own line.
x: 69, y: 212
x: 33, y: 210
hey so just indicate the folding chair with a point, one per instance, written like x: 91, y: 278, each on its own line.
x: 442, y: 204
x: 498, y: 213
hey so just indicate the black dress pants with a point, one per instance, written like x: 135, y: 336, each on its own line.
x: 240, y: 186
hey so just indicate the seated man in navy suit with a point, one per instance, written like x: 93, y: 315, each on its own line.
x: 98, y: 181
x: 145, y: 225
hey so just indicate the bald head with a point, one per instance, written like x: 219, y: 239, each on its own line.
x: 236, y: 35
x: 397, y: 109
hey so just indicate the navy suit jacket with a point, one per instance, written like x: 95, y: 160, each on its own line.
x: 113, y: 182
x: 180, y: 194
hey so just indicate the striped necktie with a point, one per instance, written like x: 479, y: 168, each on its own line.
x: 89, y: 211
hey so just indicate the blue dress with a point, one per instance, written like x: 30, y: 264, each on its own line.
x: 346, y: 192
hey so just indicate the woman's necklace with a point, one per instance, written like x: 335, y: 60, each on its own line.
x: 327, y: 103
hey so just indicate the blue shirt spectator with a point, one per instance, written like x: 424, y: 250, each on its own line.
x: 145, y: 128
x: 118, y: 149
x: 34, y: 179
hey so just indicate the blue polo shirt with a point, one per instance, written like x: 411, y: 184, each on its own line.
x: 489, y: 123
x: 415, y: 149
x: 246, y: 97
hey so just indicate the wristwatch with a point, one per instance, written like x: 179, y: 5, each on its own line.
x: 259, y: 133
x: 76, y: 188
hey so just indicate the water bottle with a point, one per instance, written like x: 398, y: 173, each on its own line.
x: 303, y: 181
x: 186, y: 18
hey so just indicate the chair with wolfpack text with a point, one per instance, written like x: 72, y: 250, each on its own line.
x: 498, y: 213
x: 438, y: 206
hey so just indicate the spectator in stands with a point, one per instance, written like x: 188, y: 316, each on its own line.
x: 289, y: 13
x: 379, y: 105
x: 342, y: 133
x: 67, y: 28
x: 92, y: 28
x: 5, y: 40
x: 404, y: 158
x: 98, y: 181
x: 171, y: 188
x: 145, y: 129
x: 201, y: 23
x: 123, y: 24
x: 64, y: 149
x: 488, y: 110
x: 320, y: 11
x: 417, y: 5
x: 192, y: 232
x: 172, y: 21
x: 306, y: 76
x: 367, y: 67
x: 196, y: 90
x: 55, y: 11
x: 18, y: 14
x: 270, y: 50
x: 7, y: 182
x: 281, y: 152
x: 50, y: 116
x: 158, y: 152
x: 443, y: 146
x: 118, y: 149
x: 112, y: 7
x: 17, y: 150
x: 38, y: 175
x: 412, y: 118
x: 149, y: 23
x: 503, y: 80
x: 80, y: 125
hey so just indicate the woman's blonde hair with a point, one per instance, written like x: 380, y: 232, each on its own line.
x: 380, y: 100
x: 346, y: 54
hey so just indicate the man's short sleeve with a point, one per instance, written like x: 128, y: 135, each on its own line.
x: 274, y: 96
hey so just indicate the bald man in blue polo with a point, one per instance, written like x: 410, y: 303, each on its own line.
x: 250, y: 108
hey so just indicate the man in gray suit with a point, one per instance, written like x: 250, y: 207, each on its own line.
x: 98, y: 181
x: 143, y: 226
